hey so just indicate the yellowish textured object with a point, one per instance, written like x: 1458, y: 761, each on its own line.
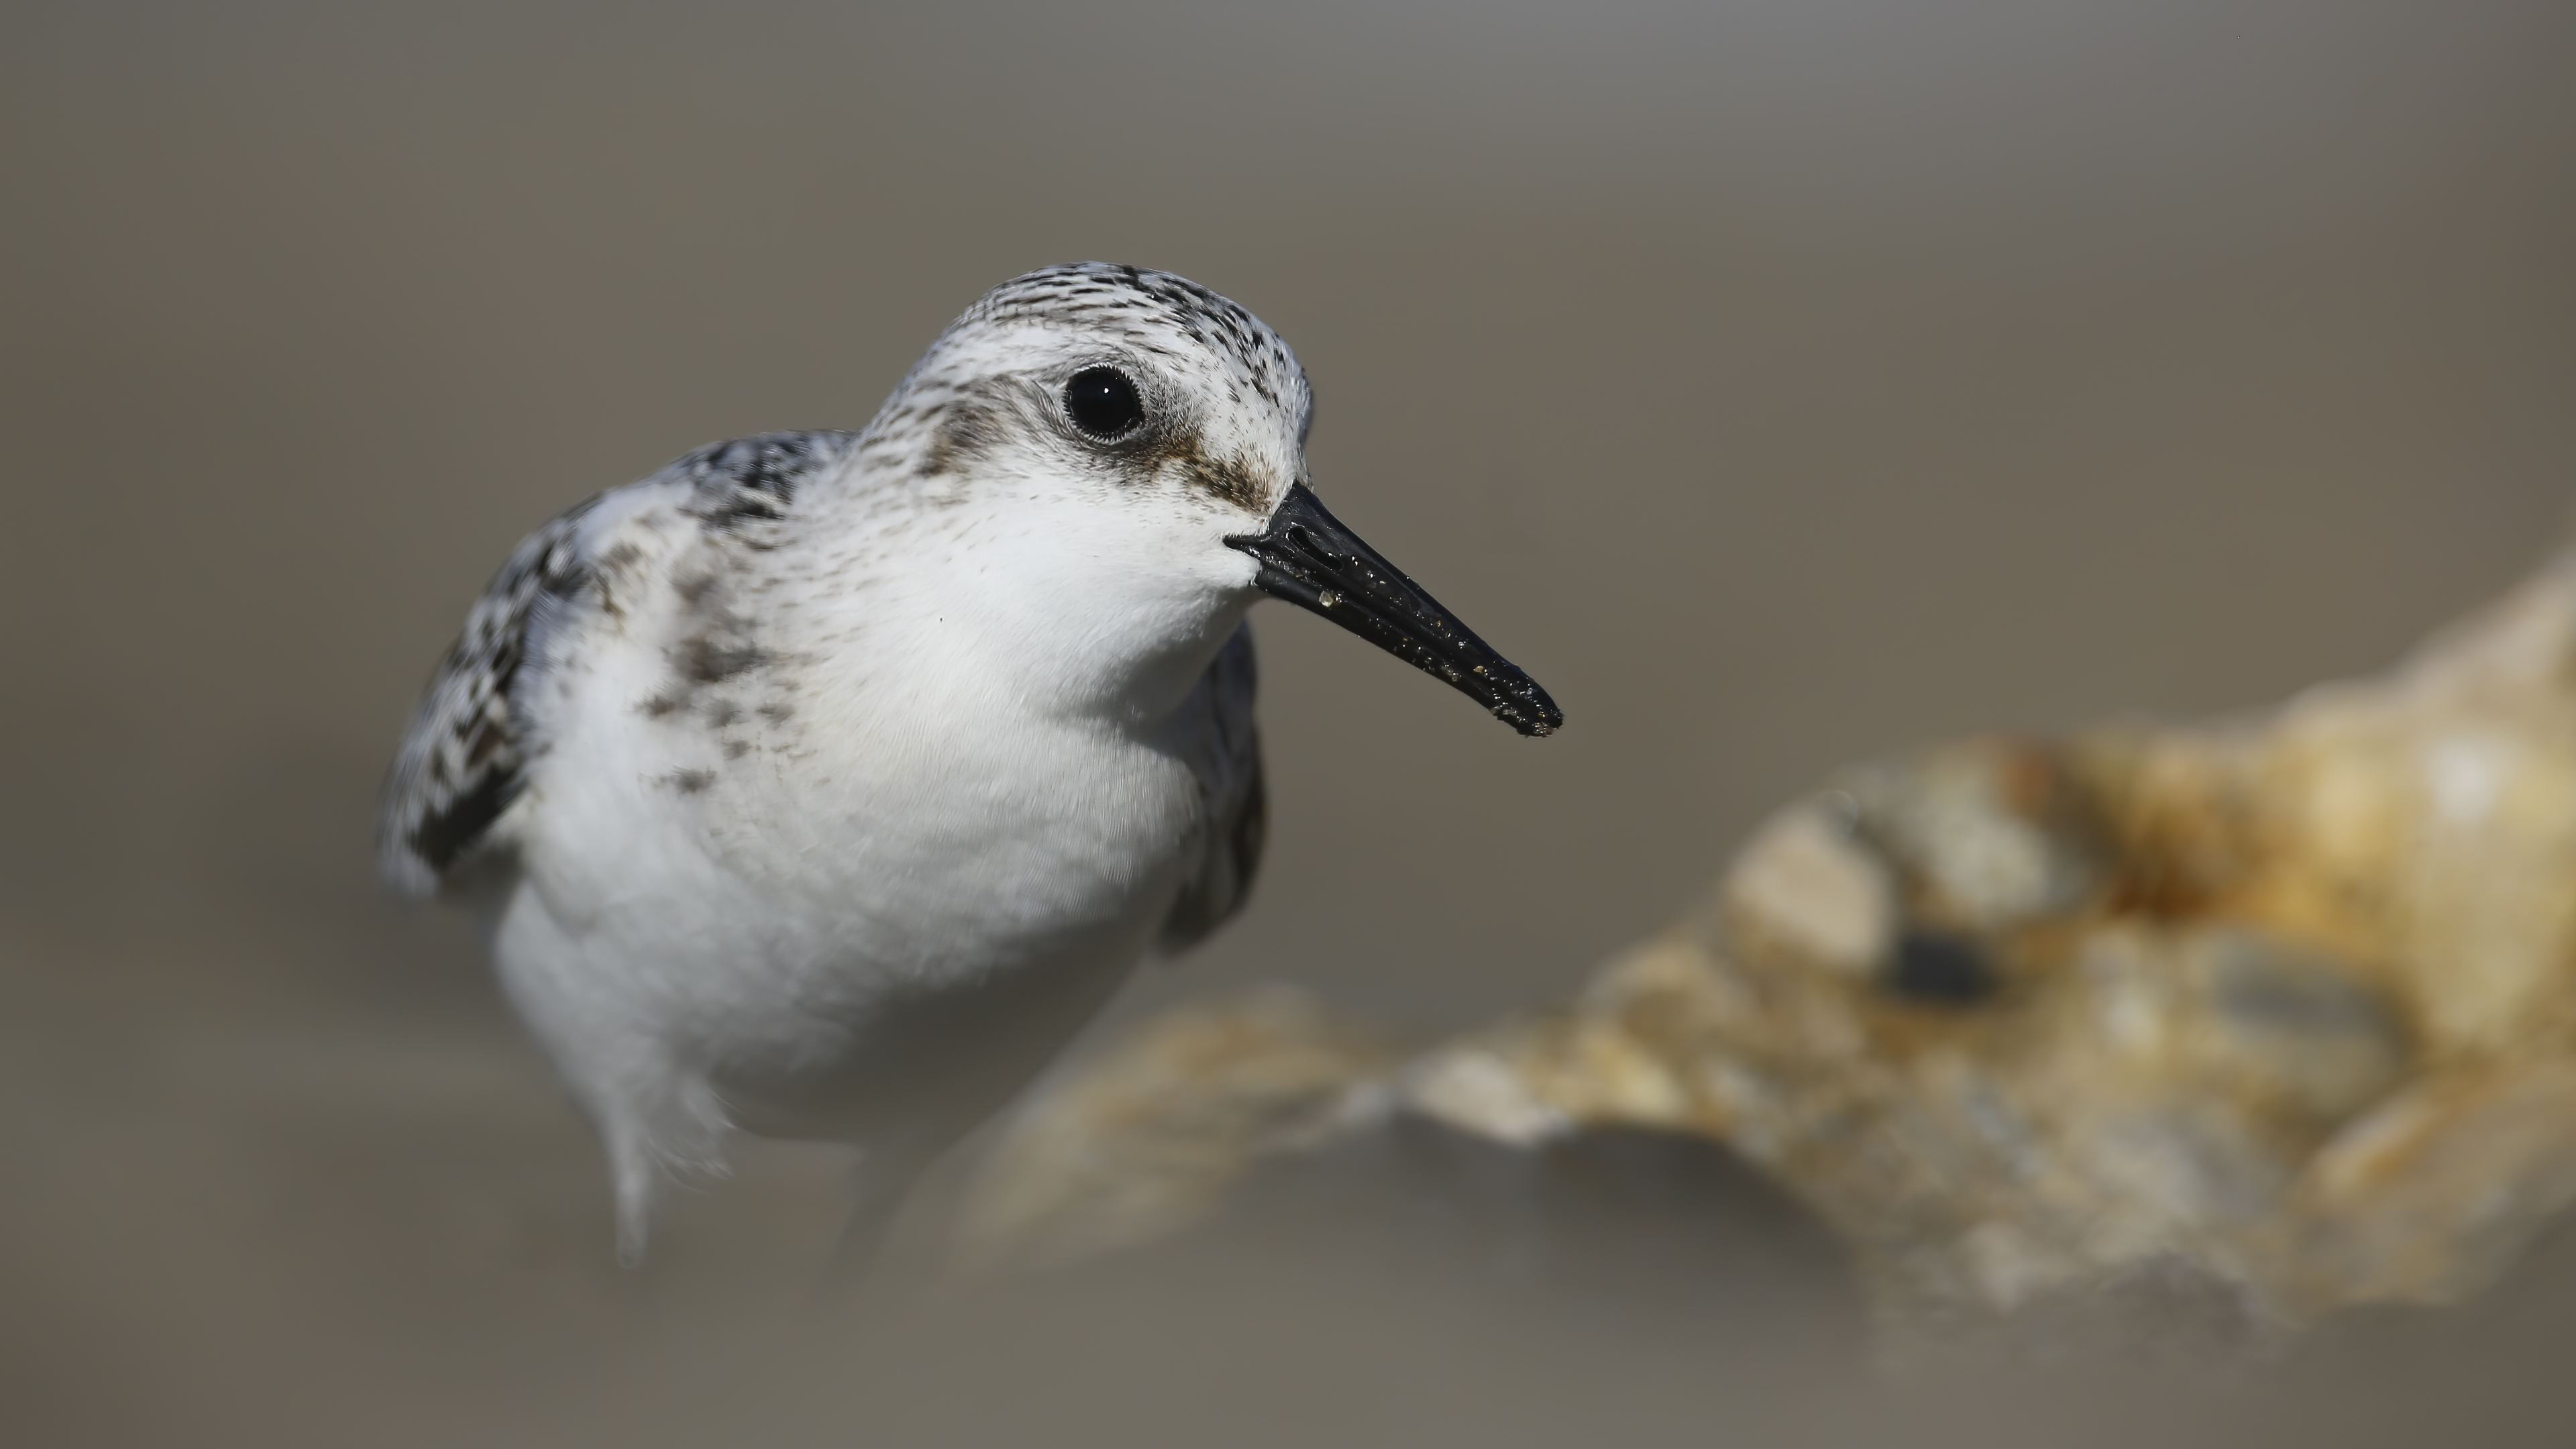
x: 1147, y: 1139
x: 2281, y: 1009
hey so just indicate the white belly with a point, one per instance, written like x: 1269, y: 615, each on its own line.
x: 882, y: 932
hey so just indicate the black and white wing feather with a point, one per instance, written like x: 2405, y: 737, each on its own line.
x: 464, y: 758
x: 1238, y: 819
x: 466, y: 755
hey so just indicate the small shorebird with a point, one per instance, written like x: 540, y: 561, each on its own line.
x: 823, y: 784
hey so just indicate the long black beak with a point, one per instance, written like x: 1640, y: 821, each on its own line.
x: 1308, y: 558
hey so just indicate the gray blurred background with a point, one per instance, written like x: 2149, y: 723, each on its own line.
x: 1779, y: 382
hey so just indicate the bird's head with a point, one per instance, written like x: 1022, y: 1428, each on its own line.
x: 1132, y: 447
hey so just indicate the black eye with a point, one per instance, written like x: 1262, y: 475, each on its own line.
x: 1102, y: 402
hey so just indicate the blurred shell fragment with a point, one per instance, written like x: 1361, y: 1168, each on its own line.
x: 2233, y: 1025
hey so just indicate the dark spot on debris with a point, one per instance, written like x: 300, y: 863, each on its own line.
x: 660, y: 705
x: 736, y: 749
x: 775, y: 712
x: 690, y: 782
x: 1940, y: 970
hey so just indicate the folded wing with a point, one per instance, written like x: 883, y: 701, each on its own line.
x: 1228, y: 763
x: 467, y: 752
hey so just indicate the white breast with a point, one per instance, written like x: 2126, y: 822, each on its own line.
x: 776, y: 870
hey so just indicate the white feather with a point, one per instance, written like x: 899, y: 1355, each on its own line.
x: 844, y: 777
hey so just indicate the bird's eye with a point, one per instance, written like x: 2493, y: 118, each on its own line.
x: 1103, y: 403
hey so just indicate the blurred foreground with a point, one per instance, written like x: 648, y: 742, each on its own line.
x: 2148, y: 1046
x: 396, y: 1243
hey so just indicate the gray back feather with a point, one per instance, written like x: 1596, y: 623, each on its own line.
x: 466, y: 754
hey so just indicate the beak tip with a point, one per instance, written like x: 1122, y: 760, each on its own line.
x: 1535, y: 719
x: 1307, y: 557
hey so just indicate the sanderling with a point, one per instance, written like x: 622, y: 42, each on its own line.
x: 823, y: 784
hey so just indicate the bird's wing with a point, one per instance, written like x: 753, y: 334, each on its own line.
x: 463, y: 759
x: 1229, y: 769
x: 466, y: 755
